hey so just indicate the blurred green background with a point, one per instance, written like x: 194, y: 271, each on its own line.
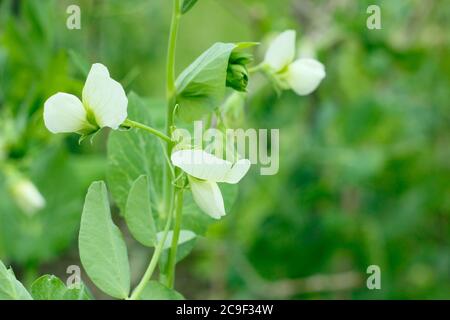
x: 364, y: 172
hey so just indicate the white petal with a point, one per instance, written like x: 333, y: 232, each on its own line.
x: 98, y: 69
x: 281, y: 51
x: 105, y: 97
x: 64, y: 113
x: 238, y: 171
x: 202, y: 165
x: 205, y: 166
x: 208, y: 197
x: 305, y: 75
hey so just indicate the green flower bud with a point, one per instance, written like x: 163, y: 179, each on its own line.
x: 237, y: 72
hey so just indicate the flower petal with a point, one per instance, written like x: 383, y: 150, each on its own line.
x: 281, y: 51
x: 238, y: 171
x: 305, y: 75
x: 105, y: 97
x: 202, y: 165
x: 208, y: 197
x: 64, y: 113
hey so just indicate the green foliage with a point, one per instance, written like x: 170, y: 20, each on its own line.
x: 155, y: 290
x: 103, y: 252
x: 364, y: 161
x: 49, y: 287
x: 138, y: 213
x: 10, y: 287
x: 135, y: 153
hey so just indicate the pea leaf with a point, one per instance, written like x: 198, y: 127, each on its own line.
x: 187, y: 5
x: 185, y: 236
x: 201, y: 86
x: 138, y: 213
x: 103, y: 252
x: 154, y: 290
x: 10, y: 287
x: 49, y: 287
x: 134, y: 153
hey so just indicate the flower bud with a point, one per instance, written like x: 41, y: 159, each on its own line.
x: 27, y: 196
x: 237, y: 73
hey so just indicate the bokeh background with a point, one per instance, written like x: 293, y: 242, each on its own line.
x: 364, y: 172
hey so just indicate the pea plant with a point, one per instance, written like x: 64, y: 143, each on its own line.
x: 165, y: 187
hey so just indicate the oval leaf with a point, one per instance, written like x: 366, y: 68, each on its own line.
x: 103, y: 252
x: 138, y: 213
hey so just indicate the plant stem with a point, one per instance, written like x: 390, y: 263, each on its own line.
x: 171, y: 50
x: 159, y: 134
x: 171, y: 101
x: 170, y: 96
x: 153, y: 262
x: 176, y: 235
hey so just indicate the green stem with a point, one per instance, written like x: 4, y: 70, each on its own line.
x: 171, y: 50
x: 159, y: 134
x: 176, y: 236
x: 153, y: 262
x: 171, y: 95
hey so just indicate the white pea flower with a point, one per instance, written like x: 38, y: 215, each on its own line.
x: 302, y: 75
x: 204, y: 172
x: 104, y: 105
x: 27, y: 196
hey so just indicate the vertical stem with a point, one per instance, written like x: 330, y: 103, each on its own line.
x: 171, y: 100
x: 170, y: 95
x: 176, y: 235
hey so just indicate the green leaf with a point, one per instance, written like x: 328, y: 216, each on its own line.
x: 187, y: 5
x: 78, y: 294
x: 103, y: 252
x: 185, y: 236
x: 10, y: 287
x: 201, y: 86
x: 134, y: 153
x: 157, y: 291
x: 49, y: 287
x: 138, y: 213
